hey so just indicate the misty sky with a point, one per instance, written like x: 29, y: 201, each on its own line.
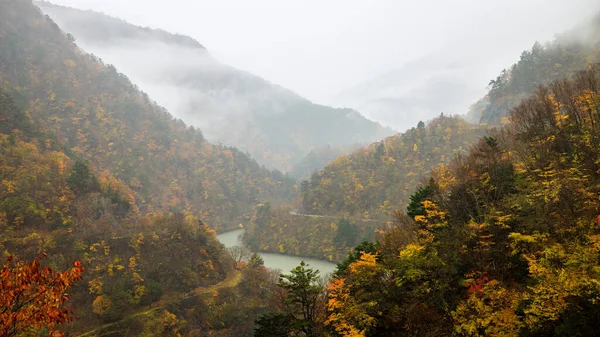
x: 319, y: 47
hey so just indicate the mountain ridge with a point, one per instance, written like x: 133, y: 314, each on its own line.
x: 233, y: 107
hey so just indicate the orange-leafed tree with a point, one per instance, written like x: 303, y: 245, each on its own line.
x: 32, y: 297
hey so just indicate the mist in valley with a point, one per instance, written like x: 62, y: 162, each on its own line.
x: 233, y: 107
x: 397, y: 72
x: 395, y: 62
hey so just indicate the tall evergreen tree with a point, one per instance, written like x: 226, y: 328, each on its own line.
x: 82, y: 180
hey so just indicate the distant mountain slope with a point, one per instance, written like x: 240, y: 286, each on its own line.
x: 377, y: 180
x: 420, y: 90
x: 455, y: 75
x: 570, y: 52
x: 232, y: 107
x: 317, y: 159
x: 99, y: 115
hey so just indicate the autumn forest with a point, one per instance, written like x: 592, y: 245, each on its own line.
x: 483, y: 222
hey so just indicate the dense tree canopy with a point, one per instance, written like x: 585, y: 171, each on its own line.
x: 505, y: 244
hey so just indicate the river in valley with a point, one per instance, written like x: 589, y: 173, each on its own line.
x: 277, y: 261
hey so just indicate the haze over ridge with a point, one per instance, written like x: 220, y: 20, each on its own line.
x: 317, y: 49
x: 236, y: 108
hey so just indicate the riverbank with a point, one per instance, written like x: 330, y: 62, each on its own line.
x: 277, y: 261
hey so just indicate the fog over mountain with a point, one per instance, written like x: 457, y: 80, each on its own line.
x: 457, y: 74
x: 318, y: 49
x: 233, y: 107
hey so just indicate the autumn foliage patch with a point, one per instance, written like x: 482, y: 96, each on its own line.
x: 33, y: 297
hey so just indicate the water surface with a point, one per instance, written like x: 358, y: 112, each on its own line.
x: 277, y: 261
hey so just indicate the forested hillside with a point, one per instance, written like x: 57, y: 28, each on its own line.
x: 356, y: 194
x: 570, y: 52
x: 317, y: 159
x: 274, y: 125
x: 283, y: 230
x: 141, y: 271
x: 53, y: 202
x: 505, y: 240
x: 102, y: 117
x: 372, y: 182
x: 92, y: 170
